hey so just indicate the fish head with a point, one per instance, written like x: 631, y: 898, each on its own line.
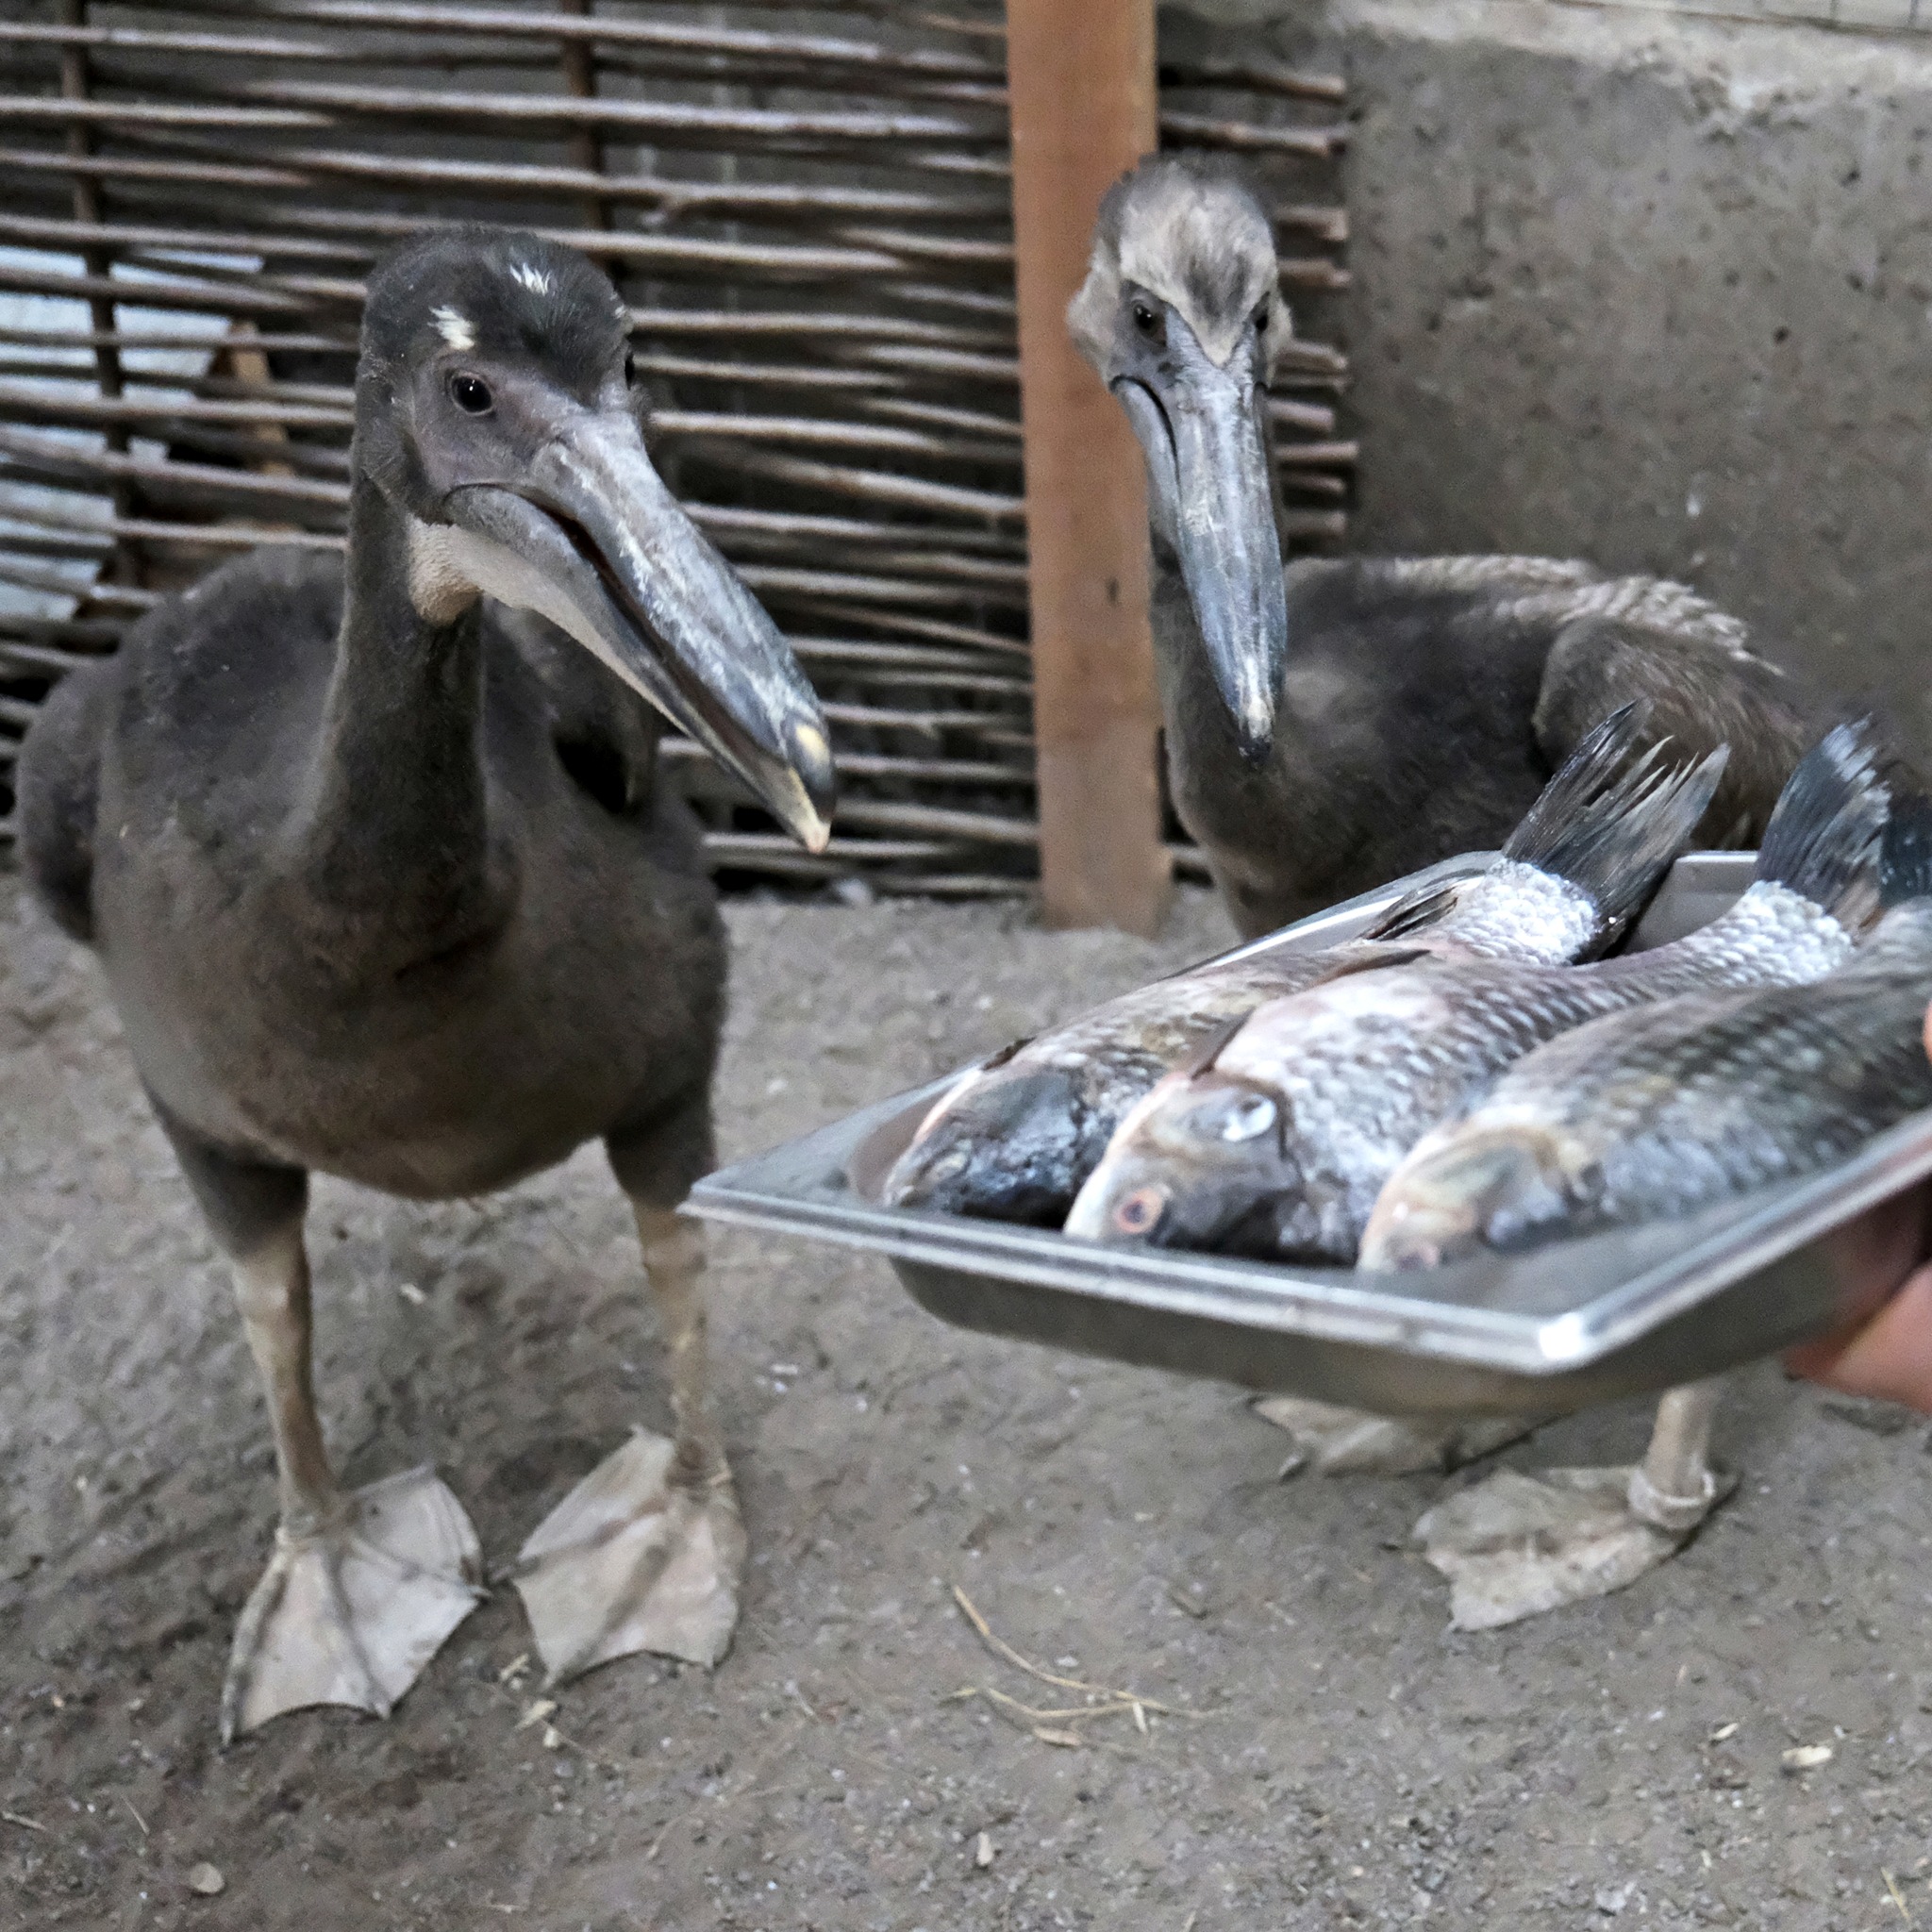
x: 1006, y: 1145
x: 1200, y: 1161
x: 1465, y: 1192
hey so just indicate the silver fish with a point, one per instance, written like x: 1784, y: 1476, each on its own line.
x: 1015, y: 1138
x: 1280, y: 1146
x: 1647, y: 1115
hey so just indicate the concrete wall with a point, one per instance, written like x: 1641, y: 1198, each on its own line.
x: 1648, y: 289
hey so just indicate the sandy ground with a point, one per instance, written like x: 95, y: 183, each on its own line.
x: 1351, y: 1762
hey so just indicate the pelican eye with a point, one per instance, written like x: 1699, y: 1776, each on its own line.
x: 1247, y: 1118
x: 1148, y: 319
x: 630, y: 369
x: 470, y: 393
x: 1141, y: 1211
x: 1262, y: 320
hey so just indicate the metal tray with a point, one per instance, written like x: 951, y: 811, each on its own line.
x: 1612, y: 1314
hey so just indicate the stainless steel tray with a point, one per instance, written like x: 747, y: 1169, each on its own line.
x: 1580, y: 1321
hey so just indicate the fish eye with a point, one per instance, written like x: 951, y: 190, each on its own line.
x: 951, y: 1164
x: 1245, y: 1119
x: 470, y: 393
x: 1141, y: 1211
x: 1148, y: 319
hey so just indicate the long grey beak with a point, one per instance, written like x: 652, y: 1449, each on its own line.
x: 589, y: 538
x: 1213, y: 502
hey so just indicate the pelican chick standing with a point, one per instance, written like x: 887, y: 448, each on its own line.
x: 385, y: 885
x: 1338, y: 722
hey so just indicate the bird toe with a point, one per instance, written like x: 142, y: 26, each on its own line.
x: 352, y: 1613
x: 641, y: 1556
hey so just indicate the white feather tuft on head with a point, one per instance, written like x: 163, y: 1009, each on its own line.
x: 454, y: 326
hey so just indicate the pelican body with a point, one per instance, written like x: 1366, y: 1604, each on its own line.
x: 1339, y: 721
x: 385, y: 884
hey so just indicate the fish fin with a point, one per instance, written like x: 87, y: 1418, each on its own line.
x: 1827, y: 833
x: 1425, y: 907
x: 1001, y: 1055
x: 1346, y: 967
x: 1207, y: 1051
x: 1906, y: 865
x: 1615, y: 816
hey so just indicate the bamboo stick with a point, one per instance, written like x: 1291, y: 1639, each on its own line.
x: 152, y: 530
x: 602, y: 30
x: 839, y: 327
x: 1244, y: 136
x: 1285, y: 82
x: 148, y: 339
x: 804, y: 527
x: 930, y: 724
x: 22, y: 402
x: 658, y: 252
x: 905, y: 624
x: 821, y: 432
x: 851, y: 764
x: 1298, y: 456
x: 776, y: 845
x: 775, y: 580
x: 977, y: 885
x: 882, y: 487
x: 980, y: 827
x: 668, y: 123
x: 295, y: 166
x: 67, y: 459
x: 941, y: 416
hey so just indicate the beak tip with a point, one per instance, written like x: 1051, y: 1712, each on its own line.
x: 810, y: 768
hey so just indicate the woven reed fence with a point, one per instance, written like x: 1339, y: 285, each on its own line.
x: 806, y: 208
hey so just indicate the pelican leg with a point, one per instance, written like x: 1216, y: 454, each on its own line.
x: 1516, y: 1545
x: 1331, y: 1440
x: 364, y: 1586
x: 646, y: 1552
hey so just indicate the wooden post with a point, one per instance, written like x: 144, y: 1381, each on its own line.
x: 1081, y: 76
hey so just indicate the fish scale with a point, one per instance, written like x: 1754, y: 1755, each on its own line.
x: 1665, y: 1113
x: 1360, y: 1091
x: 1282, y: 1146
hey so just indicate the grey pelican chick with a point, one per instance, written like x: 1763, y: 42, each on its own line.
x: 1335, y: 724
x: 1346, y: 720
x: 385, y: 885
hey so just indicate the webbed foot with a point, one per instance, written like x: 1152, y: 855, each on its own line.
x: 351, y: 1612
x: 1515, y: 1546
x: 1330, y: 1441
x: 639, y: 1556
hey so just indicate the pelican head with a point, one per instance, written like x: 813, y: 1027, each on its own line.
x: 1181, y: 313
x: 496, y: 410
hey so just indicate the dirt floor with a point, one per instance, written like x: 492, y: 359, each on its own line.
x: 1347, y: 1761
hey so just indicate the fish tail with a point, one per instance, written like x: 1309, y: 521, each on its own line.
x: 1826, y: 837
x: 1906, y: 861
x: 1615, y: 816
